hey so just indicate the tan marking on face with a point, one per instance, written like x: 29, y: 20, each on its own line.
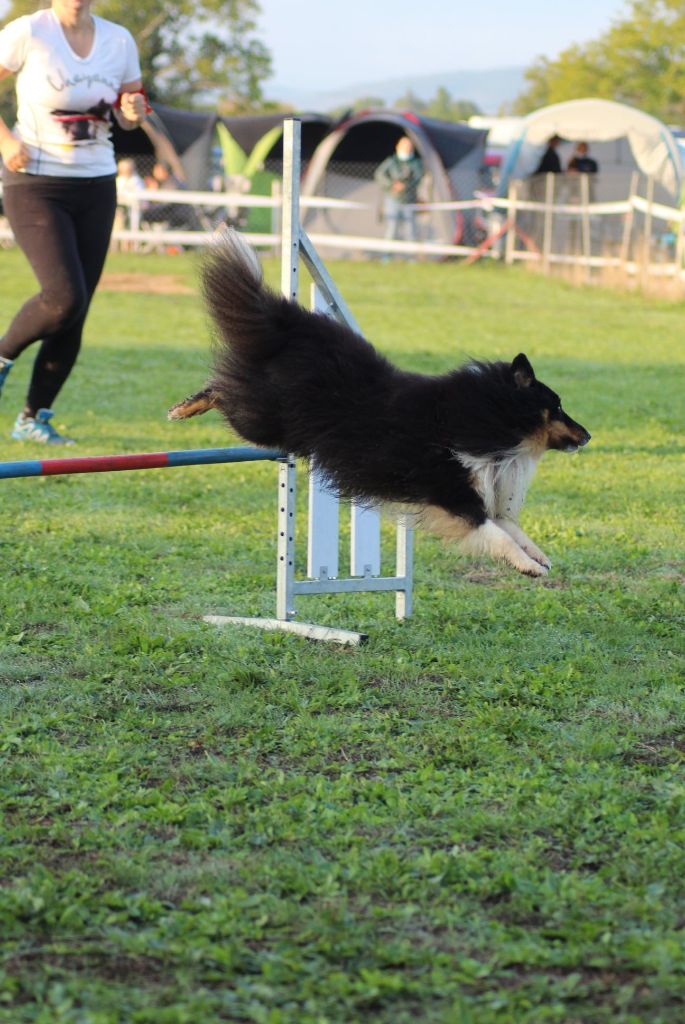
x: 538, y: 442
x: 559, y: 434
x: 554, y: 434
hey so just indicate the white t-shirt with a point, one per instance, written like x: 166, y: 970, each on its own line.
x: 63, y: 100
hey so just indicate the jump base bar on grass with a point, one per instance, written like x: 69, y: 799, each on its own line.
x: 141, y: 460
x: 306, y: 629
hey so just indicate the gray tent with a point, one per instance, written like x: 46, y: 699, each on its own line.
x: 344, y: 163
x: 185, y: 139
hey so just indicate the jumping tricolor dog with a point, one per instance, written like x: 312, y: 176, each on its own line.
x: 459, y: 450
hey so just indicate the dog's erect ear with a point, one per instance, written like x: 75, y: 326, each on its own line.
x: 524, y: 375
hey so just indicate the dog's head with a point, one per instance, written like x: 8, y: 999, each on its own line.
x: 557, y: 430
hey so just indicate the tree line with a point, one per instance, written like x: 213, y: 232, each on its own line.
x: 207, y: 54
x: 441, y: 106
x: 639, y: 60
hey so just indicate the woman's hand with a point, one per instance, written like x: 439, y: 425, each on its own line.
x: 14, y: 153
x: 133, y: 107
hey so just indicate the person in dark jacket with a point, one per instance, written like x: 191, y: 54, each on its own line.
x: 581, y: 162
x: 550, y: 162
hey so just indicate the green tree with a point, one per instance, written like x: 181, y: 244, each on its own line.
x: 192, y: 53
x: 441, y: 106
x: 409, y: 101
x: 445, y: 108
x: 640, y: 61
x: 363, y: 103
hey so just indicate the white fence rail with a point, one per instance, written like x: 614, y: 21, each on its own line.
x: 505, y: 213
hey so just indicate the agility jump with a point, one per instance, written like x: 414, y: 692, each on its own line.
x: 324, y: 507
x: 322, y: 540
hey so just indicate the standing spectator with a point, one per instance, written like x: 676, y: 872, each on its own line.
x: 550, y: 162
x: 581, y: 162
x: 73, y: 69
x: 399, y: 177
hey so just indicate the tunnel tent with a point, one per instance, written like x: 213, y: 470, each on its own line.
x: 249, y: 129
x: 621, y: 138
x: 344, y: 163
x: 185, y: 139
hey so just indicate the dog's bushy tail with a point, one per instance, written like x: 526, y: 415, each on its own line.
x: 243, y: 309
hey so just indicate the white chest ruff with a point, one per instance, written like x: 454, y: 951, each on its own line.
x: 502, y: 483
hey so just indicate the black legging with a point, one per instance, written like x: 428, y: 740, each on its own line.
x: 63, y: 225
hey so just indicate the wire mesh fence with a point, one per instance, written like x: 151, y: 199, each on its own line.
x: 424, y: 223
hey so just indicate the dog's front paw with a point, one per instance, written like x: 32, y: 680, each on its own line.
x: 524, y: 542
x: 531, y: 567
x: 538, y: 556
x: 538, y: 572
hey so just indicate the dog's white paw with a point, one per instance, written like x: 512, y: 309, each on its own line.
x: 524, y: 543
x: 531, y: 567
x: 538, y: 556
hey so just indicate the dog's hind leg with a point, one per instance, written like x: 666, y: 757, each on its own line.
x: 486, y: 539
x: 196, y: 405
x: 524, y: 541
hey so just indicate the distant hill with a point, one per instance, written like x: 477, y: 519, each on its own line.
x: 491, y: 90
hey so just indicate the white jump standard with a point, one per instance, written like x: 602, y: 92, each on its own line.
x: 323, y: 525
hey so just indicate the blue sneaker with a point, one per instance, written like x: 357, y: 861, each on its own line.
x: 38, y: 428
x: 5, y: 367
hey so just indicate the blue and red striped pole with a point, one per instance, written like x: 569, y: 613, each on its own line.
x: 140, y: 460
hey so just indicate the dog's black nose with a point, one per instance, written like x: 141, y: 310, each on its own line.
x: 586, y: 438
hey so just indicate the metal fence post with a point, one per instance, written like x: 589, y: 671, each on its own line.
x: 510, y: 241
x: 647, y: 238
x: 548, y: 221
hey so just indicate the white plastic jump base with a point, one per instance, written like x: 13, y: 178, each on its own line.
x: 306, y: 629
x: 323, y: 519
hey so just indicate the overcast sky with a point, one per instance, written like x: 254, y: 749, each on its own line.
x: 333, y: 43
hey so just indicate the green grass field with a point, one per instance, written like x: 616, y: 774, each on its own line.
x: 479, y: 817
